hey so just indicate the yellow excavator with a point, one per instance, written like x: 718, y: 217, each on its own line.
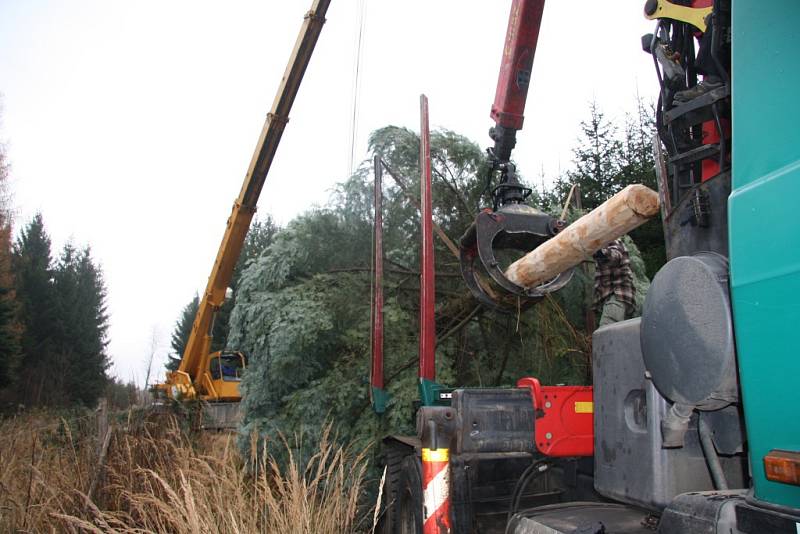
x: 215, y: 377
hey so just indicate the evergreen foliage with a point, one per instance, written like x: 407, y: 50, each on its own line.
x: 180, y: 336
x: 598, y: 160
x: 259, y: 236
x: 32, y: 262
x: 63, y: 314
x: 607, y: 159
x: 302, y: 312
x: 82, y: 325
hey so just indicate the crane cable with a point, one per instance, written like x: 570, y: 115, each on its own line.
x: 359, y: 46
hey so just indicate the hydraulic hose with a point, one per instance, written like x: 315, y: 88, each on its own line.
x: 712, y: 458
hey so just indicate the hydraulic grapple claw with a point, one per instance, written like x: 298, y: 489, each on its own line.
x: 515, y: 227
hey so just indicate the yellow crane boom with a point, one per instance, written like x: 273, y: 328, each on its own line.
x: 201, y: 374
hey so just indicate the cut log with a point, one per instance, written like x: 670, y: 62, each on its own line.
x: 617, y: 216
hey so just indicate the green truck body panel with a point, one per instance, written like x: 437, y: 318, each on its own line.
x: 764, y: 218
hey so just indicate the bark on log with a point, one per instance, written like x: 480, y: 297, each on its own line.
x: 617, y: 216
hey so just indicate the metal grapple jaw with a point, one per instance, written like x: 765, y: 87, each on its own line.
x: 513, y: 227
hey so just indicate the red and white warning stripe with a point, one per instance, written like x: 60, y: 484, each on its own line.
x: 435, y: 491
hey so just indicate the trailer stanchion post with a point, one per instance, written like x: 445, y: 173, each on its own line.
x: 435, y: 490
x: 434, y: 425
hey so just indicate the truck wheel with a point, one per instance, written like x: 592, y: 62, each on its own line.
x: 393, y: 455
x: 409, y: 500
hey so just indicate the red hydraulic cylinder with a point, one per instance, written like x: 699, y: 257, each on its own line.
x: 376, y: 375
x: 427, y: 323
x: 515, y: 67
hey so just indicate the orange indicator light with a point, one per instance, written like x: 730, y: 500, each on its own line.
x: 783, y: 466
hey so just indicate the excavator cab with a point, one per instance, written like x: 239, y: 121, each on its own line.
x: 227, y: 366
x: 225, y: 370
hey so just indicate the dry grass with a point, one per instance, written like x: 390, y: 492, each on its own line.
x: 157, y: 480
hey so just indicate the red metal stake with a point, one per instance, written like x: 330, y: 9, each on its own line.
x: 427, y: 324
x: 377, y: 393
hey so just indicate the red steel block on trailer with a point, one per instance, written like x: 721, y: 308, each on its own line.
x: 564, y: 418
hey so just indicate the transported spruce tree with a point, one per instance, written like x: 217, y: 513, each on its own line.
x: 259, y: 236
x: 302, y: 310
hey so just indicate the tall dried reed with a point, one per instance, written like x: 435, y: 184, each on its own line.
x: 156, y: 479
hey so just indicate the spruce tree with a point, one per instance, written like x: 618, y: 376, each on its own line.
x: 597, y: 161
x: 91, y: 330
x: 36, y: 313
x: 259, y: 236
x: 638, y: 167
x: 180, y: 336
x: 82, y: 324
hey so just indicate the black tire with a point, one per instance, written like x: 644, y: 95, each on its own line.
x: 409, y: 503
x: 393, y: 458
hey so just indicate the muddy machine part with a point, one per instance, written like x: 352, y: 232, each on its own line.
x: 221, y: 415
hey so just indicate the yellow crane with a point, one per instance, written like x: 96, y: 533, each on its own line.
x: 215, y: 377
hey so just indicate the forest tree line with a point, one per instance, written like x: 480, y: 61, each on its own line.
x: 53, y: 317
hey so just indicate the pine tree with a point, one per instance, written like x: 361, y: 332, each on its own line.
x: 180, y: 336
x: 32, y: 264
x: 82, y: 324
x: 596, y: 161
x: 638, y: 167
x: 607, y: 160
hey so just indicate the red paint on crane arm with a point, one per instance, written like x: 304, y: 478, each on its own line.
x: 515, y: 68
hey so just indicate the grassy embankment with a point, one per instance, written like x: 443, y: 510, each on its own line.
x: 157, y: 479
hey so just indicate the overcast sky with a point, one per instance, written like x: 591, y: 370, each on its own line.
x: 130, y: 125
